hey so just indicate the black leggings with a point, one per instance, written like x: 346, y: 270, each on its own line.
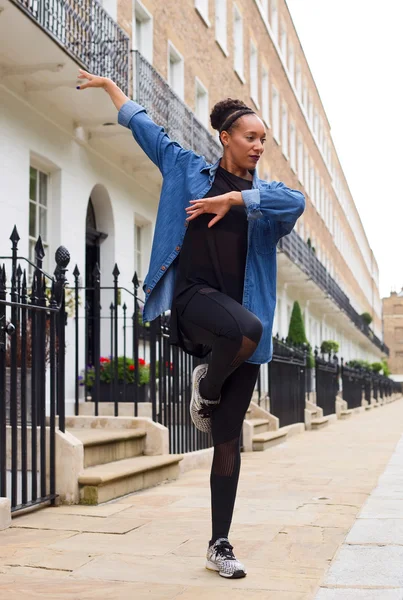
x: 233, y: 333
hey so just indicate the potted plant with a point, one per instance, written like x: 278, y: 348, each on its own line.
x: 126, y: 379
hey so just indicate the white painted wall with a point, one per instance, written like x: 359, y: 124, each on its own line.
x: 74, y: 172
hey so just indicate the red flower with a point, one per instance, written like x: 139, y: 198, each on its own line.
x: 104, y: 360
x: 131, y: 367
x: 142, y: 362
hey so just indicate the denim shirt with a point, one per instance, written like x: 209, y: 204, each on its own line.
x: 272, y: 210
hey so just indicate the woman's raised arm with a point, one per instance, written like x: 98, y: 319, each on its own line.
x: 151, y: 138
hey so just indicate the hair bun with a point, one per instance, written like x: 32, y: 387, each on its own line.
x: 223, y: 109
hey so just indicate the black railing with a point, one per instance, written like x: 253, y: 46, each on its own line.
x: 352, y: 382
x: 286, y: 383
x: 32, y: 327
x: 327, y: 383
x: 303, y: 256
x: 168, y: 110
x: 85, y: 31
x: 119, y: 360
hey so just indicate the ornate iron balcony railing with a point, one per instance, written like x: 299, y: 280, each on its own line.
x: 300, y: 253
x: 168, y: 110
x: 85, y: 31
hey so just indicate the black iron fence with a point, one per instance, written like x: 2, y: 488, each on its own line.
x: 32, y: 334
x: 128, y: 362
x: 85, y: 30
x: 327, y: 382
x: 284, y: 381
x: 303, y: 256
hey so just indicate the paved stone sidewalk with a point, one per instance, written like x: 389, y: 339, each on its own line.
x: 369, y: 565
x: 295, y: 506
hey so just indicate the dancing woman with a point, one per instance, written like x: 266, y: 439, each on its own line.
x: 213, y: 263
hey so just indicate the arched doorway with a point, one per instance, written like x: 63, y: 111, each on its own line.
x: 93, y: 240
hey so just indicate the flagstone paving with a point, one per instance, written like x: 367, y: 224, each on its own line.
x: 296, y: 504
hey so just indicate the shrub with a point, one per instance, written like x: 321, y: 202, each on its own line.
x: 366, y: 317
x: 385, y: 368
x: 359, y: 364
x: 297, y: 335
x: 377, y: 367
x: 329, y: 347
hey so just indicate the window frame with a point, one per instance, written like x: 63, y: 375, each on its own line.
x: 202, y: 9
x: 285, y: 146
x: 32, y: 239
x: 265, y: 95
x: 254, y: 73
x: 146, y: 17
x: 173, y: 51
x: 204, y: 120
x: 293, y: 145
x: 223, y: 12
x: 239, y: 49
x: 275, y: 103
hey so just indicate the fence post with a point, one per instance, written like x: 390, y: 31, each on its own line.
x: 136, y: 284
x: 62, y: 260
x: 3, y: 430
x: 76, y: 274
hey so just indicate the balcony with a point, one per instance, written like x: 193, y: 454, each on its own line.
x: 166, y: 109
x: 299, y: 253
x: 84, y: 30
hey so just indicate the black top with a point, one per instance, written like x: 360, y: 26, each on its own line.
x: 214, y: 257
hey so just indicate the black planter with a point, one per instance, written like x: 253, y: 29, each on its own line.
x: 126, y: 393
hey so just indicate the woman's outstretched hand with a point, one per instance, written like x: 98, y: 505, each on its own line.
x: 218, y: 205
x: 94, y: 81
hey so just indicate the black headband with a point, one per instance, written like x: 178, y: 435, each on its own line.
x: 234, y: 117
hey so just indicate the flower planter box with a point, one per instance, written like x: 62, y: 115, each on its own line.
x: 125, y: 393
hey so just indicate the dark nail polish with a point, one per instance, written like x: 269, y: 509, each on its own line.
x: 78, y: 87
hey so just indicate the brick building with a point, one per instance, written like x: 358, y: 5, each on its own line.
x: 74, y: 176
x: 393, y: 332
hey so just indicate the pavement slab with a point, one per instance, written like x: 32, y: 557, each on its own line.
x: 296, y: 505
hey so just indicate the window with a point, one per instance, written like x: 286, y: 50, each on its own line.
x: 310, y: 110
x: 312, y: 183
x: 202, y: 8
x: 38, y: 211
x: 305, y: 96
x: 143, y: 31
x: 316, y: 124
x: 284, y: 129
x: 265, y: 96
x: 254, y: 74
x: 238, y: 43
x: 306, y: 170
x: 293, y: 147
x: 202, y: 108
x: 175, y: 71
x: 283, y: 42
x: 276, y: 114
x: 300, y: 160
x: 291, y: 62
x: 274, y: 19
x: 317, y: 189
x: 138, y: 257
x: 265, y: 8
x: 221, y: 24
x: 298, y: 81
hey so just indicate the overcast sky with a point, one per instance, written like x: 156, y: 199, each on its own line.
x: 355, y: 51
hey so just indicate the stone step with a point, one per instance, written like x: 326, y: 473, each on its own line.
x: 319, y: 423
x: 346, y: 414
x: 113, y: 480
x: 260, y: 425
x: 263, y: 441
x: 102, y: 446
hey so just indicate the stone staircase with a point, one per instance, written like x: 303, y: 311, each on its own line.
x: 261, y: 429
x: 115, y: 460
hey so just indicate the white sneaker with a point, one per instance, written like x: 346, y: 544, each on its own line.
x: 220, y: 558
x: 200, y: 409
